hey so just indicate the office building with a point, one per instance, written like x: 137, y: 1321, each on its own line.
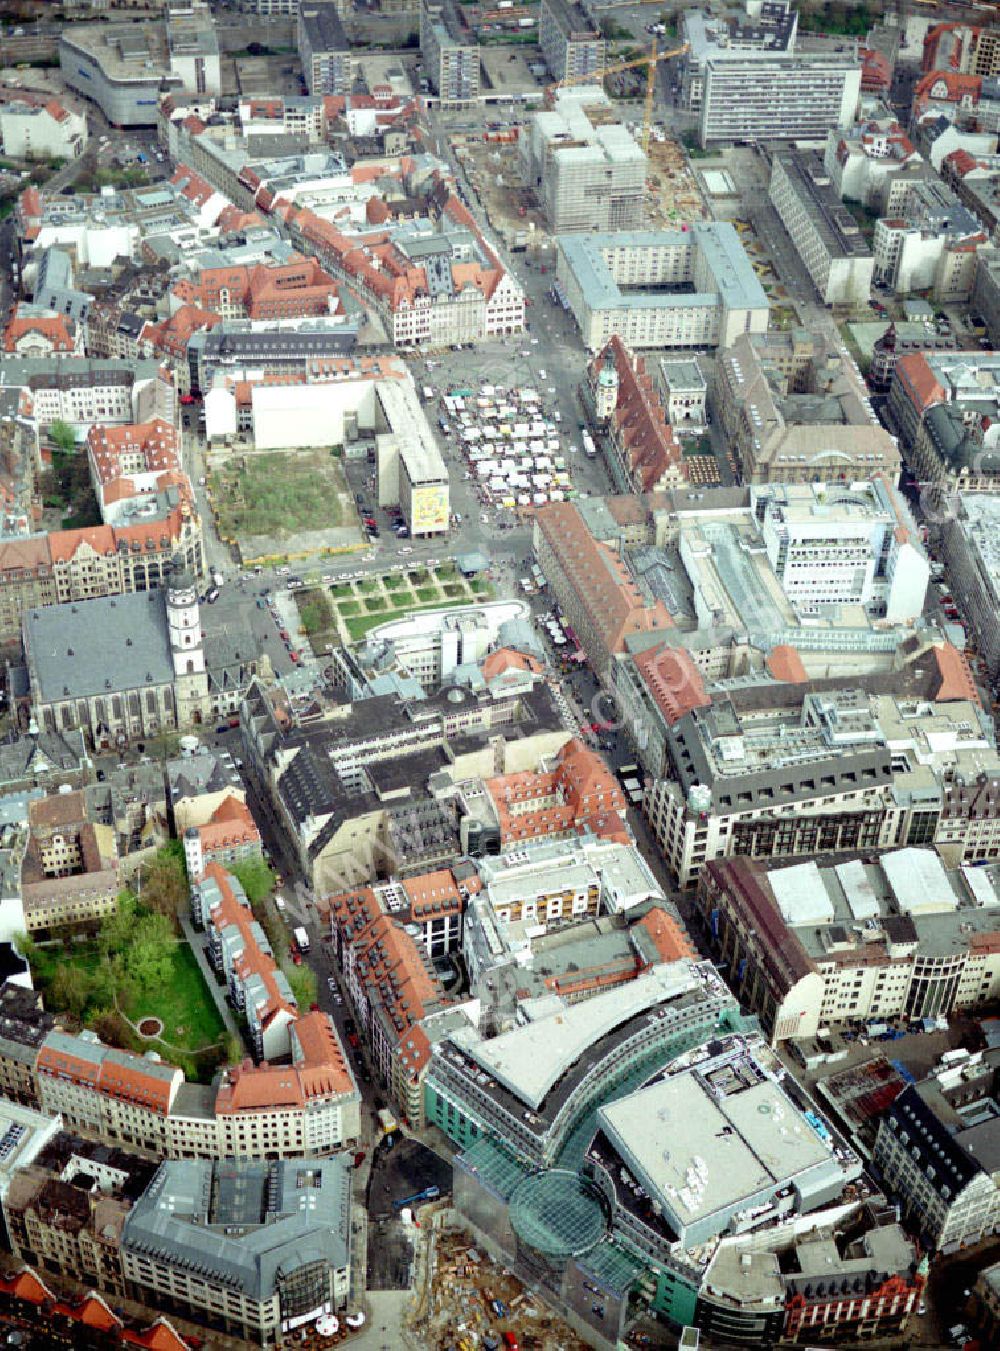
x: 450, y: 53
x: 362, y: 787
x: 945, y: 406
x: 764, y: 27
x: 837, y: 545
x: 248, y: 1248
x: 35, y: 128
x: 588, y: 173
x: 937, y: 1152
x: 661, y: 288
x: 985, y: 298
x: 598, y: 595
x: 389, y: 972
x: 328, y: 66
x: 930, y: 243
x: 973, y: 568
x: 795, y: 410
x: 572, y: 44
x: 826, y: 236
x: 847, y: 777
x: 899, y: 936
x: 777, y: 97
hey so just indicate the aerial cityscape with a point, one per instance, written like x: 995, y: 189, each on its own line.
x: 500, y: 674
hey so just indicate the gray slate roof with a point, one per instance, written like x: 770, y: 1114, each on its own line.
x: 103, y: 646
x: 292, y: 1213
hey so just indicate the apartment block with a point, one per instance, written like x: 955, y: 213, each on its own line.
x: 771, y: 97
x: 229, y: 836
x: 324, y: 49
x: 24, y: 1025
x: 588, y: 172
x: 241, y: 954
x: 897, y: 936
x: 66, y: 1210
x: 451, y: 53
x: 32, y: 128
x: 572, y: 45
x: 661, y: 288
x: 826, y: 236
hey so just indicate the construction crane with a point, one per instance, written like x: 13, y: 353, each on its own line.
x: 651, y: 60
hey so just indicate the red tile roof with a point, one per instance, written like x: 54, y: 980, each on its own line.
x: 673, y: 680
x: 653, y: 451
x: 784, y: 663
x: 54, y: 328
x: 604, y: 586
x: 580, y: 793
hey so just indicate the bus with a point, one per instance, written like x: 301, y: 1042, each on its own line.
x: 590, y: 450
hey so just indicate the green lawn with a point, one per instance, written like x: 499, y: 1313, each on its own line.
x: 357, y: 628
x: 184, y: 1006
x: 427, y: 593
x: 349, y: 607
x: 281, y: 493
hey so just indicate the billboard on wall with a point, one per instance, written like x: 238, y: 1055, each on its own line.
x: 429, y: 509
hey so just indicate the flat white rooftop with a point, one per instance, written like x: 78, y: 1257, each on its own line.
x: 529, y: 1060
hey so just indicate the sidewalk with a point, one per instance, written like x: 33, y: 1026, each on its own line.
x: 197, y: 946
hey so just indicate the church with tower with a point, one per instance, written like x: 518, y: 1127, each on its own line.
x: 122, y: 669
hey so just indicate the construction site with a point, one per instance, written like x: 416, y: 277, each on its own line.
x: 493, y: 166
x: 463, y: 1300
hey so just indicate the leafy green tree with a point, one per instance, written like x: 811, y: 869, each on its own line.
x: 165, y: 885
x: 62, y: 435
x: 305, y: 986
x: 256, y: 879
x: 70, y: 989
